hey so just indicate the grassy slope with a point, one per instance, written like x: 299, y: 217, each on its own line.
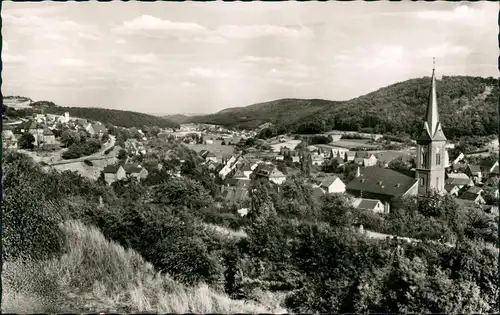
x: 98, y: 275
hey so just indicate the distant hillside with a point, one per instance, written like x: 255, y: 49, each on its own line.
x: 277, y: 112
x: 178, y: 118
x: 115, y: 117
x: 468, y: 106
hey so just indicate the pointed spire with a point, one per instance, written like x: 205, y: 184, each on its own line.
x: 432, y: 115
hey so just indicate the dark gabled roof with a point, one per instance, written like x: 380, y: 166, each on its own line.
x: 239, y: 173
x: 111, y: 169
x: 449, y: 187
x: 458, y: 181
x: 363, y: 154
x: 210, y: 154
x: 98, y: 128
x: 468, y: 196
x: 368, y: 204
x: 246, y: 167
x: 328, y: 181
x: 350, y: 153
x: 474, y: 168
x: 132, y: 168
x: 388, y: 156
x: 203, y: 153
x: 47, y: 132
x: 475, y: 190
x: 381, y: 181
x: 237, y: 182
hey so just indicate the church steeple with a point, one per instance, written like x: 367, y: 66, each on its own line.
x: 432, y: 124
x: 431, y: 147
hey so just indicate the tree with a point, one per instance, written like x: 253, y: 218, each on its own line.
x: 69, y: 137
x: 122, y: 154
x: 26, y: 141
x: 330, y: 166
x: 400, y: 164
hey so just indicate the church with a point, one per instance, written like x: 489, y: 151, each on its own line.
x: 386, y: 184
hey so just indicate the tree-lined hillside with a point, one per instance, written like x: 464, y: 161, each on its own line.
x: 285, y: 111
x: 179, y: 118
x: 115, y: 117
x: 468, y: 106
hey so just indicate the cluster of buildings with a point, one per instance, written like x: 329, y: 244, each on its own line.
x: 42, y: 127
x: 375, y: 186
x: 116, y: 172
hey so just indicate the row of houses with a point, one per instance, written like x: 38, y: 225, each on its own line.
x: 116, y: 172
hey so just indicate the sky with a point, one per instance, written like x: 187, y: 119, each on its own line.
x: 167, y: 58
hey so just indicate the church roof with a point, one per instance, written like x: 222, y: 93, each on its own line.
x: 382, y: 181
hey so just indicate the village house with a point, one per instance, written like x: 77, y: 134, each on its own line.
x: 452, y: 190
x: 459, y: 179
x: 349, y: 156
x: 459, y: 158
x: 369, y: 204
x: 317, y: 159
x: 136, y: 171
x: 490, y: 169
x: 382, y: 184
x: 211, y: 157
x: 240, y: 175
x: 96, y: 129
x: 270, y: 172
x: 333, y: 185
x: 113, y: 173
x: 365, y: 159
x: 338, y: 152
x: 476, y: 198
x: 208, y: 141
x: 458, y: 167
x: 474, y: 172
x: 41, y: 133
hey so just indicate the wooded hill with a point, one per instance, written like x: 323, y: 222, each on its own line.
x: 468, y: 106
x: 115, y: 117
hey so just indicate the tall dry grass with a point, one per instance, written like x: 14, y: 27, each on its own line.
x: 95, y: 274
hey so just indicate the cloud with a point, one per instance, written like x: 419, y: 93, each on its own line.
x: 256, y: 31
x: 90, y: 36
x: 6, y: 58
x: 72, y: 62
x: 140, y: 58
x: 266, y: 60
x: 148, y: 25
x: 444, y: 50
x: 120, y: 41
x: 210, y: 73
x: 463, y: 14
x: 188, y: 84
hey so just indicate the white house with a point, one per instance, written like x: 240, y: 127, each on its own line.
x: 333, y: 185
x: 369, y: 204
x: 338, y: 152
x: 209, y: 142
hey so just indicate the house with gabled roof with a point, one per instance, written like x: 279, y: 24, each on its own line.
x: 459, y: 179
x: 211, y: 157
x: 333, y: 185
x: 474, y: 172
x: 349, y: 156
x: 452, y: 190
x: 382, y: 184
x: 476, y: 198
x: 136, y: 171
x: 113, y: 173
x: 270, y: 172
x: 369, y: 204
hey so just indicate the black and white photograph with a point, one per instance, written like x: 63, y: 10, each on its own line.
x: 250, y: 157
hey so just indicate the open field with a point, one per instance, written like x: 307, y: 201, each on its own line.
x: 291, y: 144
x: 92, y: 172
x: 216, y: 148
x: 352, y: 143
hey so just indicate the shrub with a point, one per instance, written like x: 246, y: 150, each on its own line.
x: 88, y: 162
x: 98, y: 275
x: 108, y: 151
x: 77, y: 150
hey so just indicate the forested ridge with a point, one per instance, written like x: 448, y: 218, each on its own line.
x: 467, y: 105
x: 114, y: 117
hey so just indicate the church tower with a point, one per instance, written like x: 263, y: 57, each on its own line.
x: 431, y: 148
